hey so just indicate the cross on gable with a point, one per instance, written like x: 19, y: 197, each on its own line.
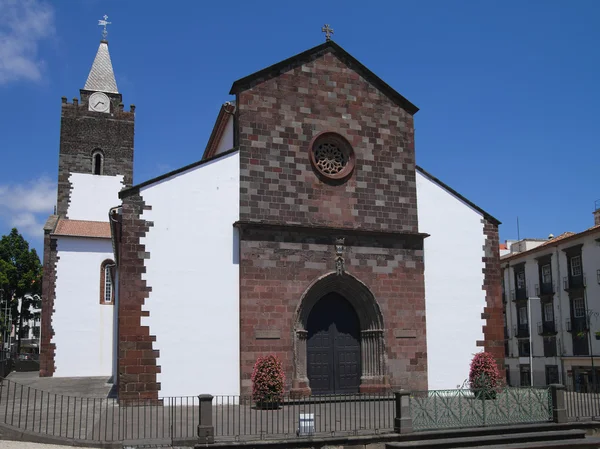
x: 328, y: 31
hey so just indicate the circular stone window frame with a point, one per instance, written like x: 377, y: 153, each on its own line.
x: 344, y: 146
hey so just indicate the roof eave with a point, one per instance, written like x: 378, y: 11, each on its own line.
x: 275, y: 69
x: 445, y: 186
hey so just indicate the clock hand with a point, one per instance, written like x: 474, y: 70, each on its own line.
x: 100, y: 102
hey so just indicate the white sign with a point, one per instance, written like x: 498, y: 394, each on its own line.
x: 306, y: 424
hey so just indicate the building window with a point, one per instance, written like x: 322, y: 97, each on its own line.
x: 549, y: 347
x: 576, y: 266
x: 521, y: 280
x: 548, y: 312
x: 524, y: 348
x: 578, y: 308
x: 97, y: 162
x: 332, y: 156
x: 551, y: 374
x: 523, y: 315
x: 525, y: 372
x: 36, y: 332
x: 546, y: 274
x: 107, y: 290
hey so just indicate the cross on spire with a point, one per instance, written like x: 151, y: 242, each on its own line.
x: 104, y: 23
x: 328, y: 32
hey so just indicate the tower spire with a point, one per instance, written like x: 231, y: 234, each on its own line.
x: 102, y: 76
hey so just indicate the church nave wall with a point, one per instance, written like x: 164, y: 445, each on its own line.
x: 179, y: 296
x: 83, y: 327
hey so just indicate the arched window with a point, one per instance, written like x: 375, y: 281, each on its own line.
x: 97, y: 162
x: 107, y: 287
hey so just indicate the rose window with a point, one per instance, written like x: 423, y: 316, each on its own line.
x: 332, y: 156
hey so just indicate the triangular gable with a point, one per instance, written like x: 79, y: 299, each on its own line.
x: 453, y: 192
x: 302, y: 58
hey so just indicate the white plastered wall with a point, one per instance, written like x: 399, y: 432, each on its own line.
x: 194, y: 275
x: 93, y: 195
x: 83, y: 328
x: 453, y: 283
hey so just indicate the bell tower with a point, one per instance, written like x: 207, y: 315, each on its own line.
x: 96, y: 145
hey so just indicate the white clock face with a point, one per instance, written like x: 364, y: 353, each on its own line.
x: 99, y: 102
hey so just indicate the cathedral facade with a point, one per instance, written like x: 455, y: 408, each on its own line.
x: 305, y: 230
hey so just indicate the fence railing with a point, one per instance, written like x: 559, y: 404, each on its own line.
x: 439, y: 409
x: 238, y: 417
x: 97, y: 419
x: 582, y: 399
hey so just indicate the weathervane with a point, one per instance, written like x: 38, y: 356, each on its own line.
x: 104, y: 23
x: 328, y: 32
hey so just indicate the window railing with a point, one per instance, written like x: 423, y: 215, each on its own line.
x: 570, y: 282
x: 521, y: 294
x: 544, y: 289
x: 521, y: 331
x: 546, y: 327
x: 577, y: 325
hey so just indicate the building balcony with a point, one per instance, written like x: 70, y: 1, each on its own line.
x: 574, y: 282
x: 546, y: 289
x: 546, y: 328
x: 577, y: 325
x: 520, y: 294
x: 521, y: 331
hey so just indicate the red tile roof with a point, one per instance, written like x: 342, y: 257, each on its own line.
x: 558, y: 239
x: 503, y: 246
x: 83, y: 228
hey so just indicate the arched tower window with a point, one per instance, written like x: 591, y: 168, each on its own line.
x: 97, y: 162
x: 107, y: 287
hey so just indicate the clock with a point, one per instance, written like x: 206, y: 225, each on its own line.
x: 99, y: 102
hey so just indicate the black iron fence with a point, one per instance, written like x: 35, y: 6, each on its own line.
x: 207, y: 419
x: 6, y: 363
x: 97, y: 419
x: 238, y: 417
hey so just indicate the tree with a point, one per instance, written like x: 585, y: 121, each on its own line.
x: 20, y: 278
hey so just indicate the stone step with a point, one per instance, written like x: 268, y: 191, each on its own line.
x: 585, y: 443
x: 499, y: 438
x: 481, y: 431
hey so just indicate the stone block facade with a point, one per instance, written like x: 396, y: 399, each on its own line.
x: 277, y: 120
x: 137, y: 366
x: 278, y: 268
x: 279, y: 115
x: 47, y: 348
x: 493, y: 330
x: 82, y: 132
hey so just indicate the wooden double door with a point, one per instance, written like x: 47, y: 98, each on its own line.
x: 333, y: 346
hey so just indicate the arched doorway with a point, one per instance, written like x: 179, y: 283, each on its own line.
x: 333, y: 346
x: 364, y: 309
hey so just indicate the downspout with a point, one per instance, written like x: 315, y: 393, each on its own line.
x: 115, y: 358
x: 509, y: 302
x: 562, y: 337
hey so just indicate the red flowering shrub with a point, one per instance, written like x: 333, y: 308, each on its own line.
x: 484, y: 376
x: 268, y: 379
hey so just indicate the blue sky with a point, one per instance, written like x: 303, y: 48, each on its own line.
x: 508, y: 90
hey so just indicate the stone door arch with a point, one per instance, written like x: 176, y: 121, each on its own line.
x: 372, y: 342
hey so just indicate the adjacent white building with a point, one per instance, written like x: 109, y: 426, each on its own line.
x: 551, y: 296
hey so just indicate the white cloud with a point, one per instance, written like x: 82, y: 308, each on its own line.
x: 26, y: 206
x: 24, y: 23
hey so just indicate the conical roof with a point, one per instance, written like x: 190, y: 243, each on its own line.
x: 102, y: 77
